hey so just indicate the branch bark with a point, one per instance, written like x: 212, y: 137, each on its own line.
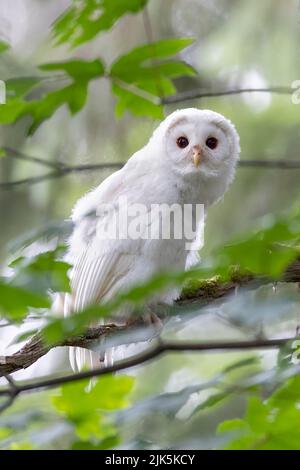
x: 35, y: 348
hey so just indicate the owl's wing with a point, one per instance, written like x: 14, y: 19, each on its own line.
x: 99, y: 265
x: 95, y: 276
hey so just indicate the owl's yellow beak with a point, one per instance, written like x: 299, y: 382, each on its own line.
x: 197, y: 155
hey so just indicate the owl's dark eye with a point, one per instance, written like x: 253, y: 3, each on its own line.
x: 212, y: 143
x: 182, y: 142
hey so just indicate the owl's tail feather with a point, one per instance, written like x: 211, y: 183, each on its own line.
x: 80, y: 358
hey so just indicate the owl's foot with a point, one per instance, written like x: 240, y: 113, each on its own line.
x: 152, y: 319
x: 149, y: 318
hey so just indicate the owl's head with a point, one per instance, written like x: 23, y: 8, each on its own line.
x: 200, y: 144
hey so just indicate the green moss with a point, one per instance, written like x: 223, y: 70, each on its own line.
x: 217, y: 285
x: 238, y: 275
x: 207, y: 287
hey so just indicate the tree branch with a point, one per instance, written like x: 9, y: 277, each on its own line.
x: 35, y: 348
x: 152, y: 352
x: 14, y: 153
x: 269, y: 164
x: 63, y: 171
x: 58, y: 173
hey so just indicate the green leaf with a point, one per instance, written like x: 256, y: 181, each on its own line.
x: 5, y: 432
x: 4, y: 46
x: 219, y: 397
x: 87, y: 407
x: 74, y: 94
x: 268, y: 250
x: 175, y: 68
x: 84, y: 20
x: 269, y: 424
x: 249, y: 361
x: 77, y: 69
x: 212, y: 401
x: 126, y: 65
x: 23, y: 445
x: 41, y: 273
x: 137, y: 105
x: 15, y: 302
x: 19, y: 87
x: 12, y: 110
x: 141, y: 77
x: 108, y: 443
x: 232, y: 425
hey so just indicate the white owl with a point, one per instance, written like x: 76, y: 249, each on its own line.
x: 190, y: 159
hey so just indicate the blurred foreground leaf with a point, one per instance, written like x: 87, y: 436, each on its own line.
x: 268, y: 425
x: 4, y: 46
x: 83, y: 20
x: 267, y: 250
x: 61, y: 328
x: 41, y: 273
x: 15, y: 302
x: 87, y: 408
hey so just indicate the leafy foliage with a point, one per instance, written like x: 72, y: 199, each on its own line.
x: 267, y: 250
x: 3, y: 46
x: 88, y: 407
x: 138, y: 80
x: 78, y: 74
x: 144, y: 75
x: 30, y: 284
x: 41, y: 273
x: 85, y: 19
x: 15, y: 302
x: 268, y: 425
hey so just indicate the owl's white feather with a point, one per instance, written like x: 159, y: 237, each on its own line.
x: 159, y: 173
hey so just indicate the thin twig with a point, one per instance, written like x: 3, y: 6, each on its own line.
x: 13, y: 153
x: 67, y: 170
x: 31, y: 181
x: 152, y: 352
x: 59, y: 173
x: 11, y: 393
x: 203, y: 93
x: 8, y: 402
x: 272, y: 164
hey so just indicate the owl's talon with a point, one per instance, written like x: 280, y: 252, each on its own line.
x: 151, y: 319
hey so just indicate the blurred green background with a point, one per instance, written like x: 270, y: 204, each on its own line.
x: 237, y: 44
